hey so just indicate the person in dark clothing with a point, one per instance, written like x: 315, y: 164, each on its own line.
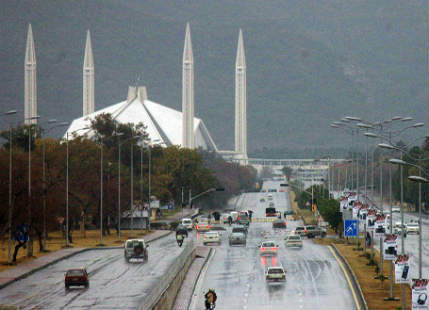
x: 368, y: 239
x: 211, y: 298
x: 230, y: 220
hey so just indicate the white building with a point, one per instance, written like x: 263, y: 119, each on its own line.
x: 164, y: 125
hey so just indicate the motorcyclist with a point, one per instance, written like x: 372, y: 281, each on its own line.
x: 211, y: 298
x: 179, y: 239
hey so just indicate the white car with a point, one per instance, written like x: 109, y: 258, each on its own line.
x: 275, y: 274
x: 211, y: 237
x: 268, y: 247
x: 397, y: 228
x: 396, y: 209
x: 413, y: 228
x: 187, y: 223
x: 293, y: 241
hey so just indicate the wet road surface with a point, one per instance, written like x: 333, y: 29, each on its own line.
x: 114, y: 283
x: 314, y: 279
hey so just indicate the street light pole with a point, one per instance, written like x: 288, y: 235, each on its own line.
x: 119, y: 191
x: 132, y: 189
x: 101, y: 196
x: 9, y: 220
x: 30, y: 240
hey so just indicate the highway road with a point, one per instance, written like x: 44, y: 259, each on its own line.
x: 114, y: 283
x: 315, y: 281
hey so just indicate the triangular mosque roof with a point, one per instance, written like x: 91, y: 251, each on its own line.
x: 163, y: 123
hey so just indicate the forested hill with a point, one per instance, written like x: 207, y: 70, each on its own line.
x: 308, y: 62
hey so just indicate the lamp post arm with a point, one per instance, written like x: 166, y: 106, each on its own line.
x: 203, y: 193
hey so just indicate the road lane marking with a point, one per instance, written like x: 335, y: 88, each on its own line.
x: 200, y: 281
x: 347, y: 277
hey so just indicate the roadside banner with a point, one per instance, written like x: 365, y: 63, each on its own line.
x: 363, y: 211
x: 344, y: 204
x: 370, y: 220
x: 402, y: 269
x: 356, y: 207
x: 390, y: 247
x: 419, y: 294
x: 380, y: 226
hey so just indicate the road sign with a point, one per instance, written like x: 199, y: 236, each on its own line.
x: 351, y: 228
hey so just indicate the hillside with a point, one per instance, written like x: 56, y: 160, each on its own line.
x: 309, y: 62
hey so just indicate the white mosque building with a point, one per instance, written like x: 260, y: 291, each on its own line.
x: 164, y: 125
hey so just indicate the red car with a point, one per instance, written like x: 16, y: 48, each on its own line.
x: 76, y: 277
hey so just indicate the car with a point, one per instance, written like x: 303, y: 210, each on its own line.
x: 262, y: 199
x: 203, y: 226
x: 224, y: 218
x: 301, y: 230
x: 234, y: 215
x: 187, y: 222
x: 275, y: 274
x: 279, y: 224
x: 270, y: 212
x: 413, y: 228
x: 239, y: 228
x: 243, y: 218
x: 293, y: 240
x: 211, y: 237
x: 182, y: 230
x: 271, y: 204
x: 135, y: 249
x: 76, y: 277
x: 237, y: 238
x: 289, y: 212
x: 397, y: 228
x: 270, y: 197
x: 315, y: 231
x: 396, y: 209
x: 268, y: 247
x: 272, y: 190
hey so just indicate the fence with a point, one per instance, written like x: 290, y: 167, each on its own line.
x: 152, y: 298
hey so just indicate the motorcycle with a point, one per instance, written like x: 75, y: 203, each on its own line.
x: 179, y: 240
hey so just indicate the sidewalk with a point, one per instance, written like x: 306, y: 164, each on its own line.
x: 23, y: 270
x: 186, y: 212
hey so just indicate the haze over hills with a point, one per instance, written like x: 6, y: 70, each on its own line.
x: 308, y: 62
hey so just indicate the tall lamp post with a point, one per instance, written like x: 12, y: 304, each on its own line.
x: 9, y: 219
x: 419, y: 179
x: 102, y: 181
x: 67, y: 182
x: 30, y: 241
x: 119, y: 182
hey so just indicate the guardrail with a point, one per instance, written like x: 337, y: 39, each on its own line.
x: 164, y: 282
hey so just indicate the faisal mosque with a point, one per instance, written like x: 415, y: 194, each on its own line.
x: 165, y: 125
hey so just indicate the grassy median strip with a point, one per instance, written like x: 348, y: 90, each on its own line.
x: 374, y: 289
x: 56, y: 242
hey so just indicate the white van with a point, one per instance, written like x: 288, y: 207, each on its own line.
x: 234, y: 215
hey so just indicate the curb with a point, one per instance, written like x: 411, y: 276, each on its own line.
x: 198, y: 276
x: 349, y: 270
x: 30, y: 272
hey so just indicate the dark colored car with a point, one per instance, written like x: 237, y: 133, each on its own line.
x: 76, y: 277
x: 270, y: 212
x: 279, y: 224
x: 314, y: 231
x: 182, y: 230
